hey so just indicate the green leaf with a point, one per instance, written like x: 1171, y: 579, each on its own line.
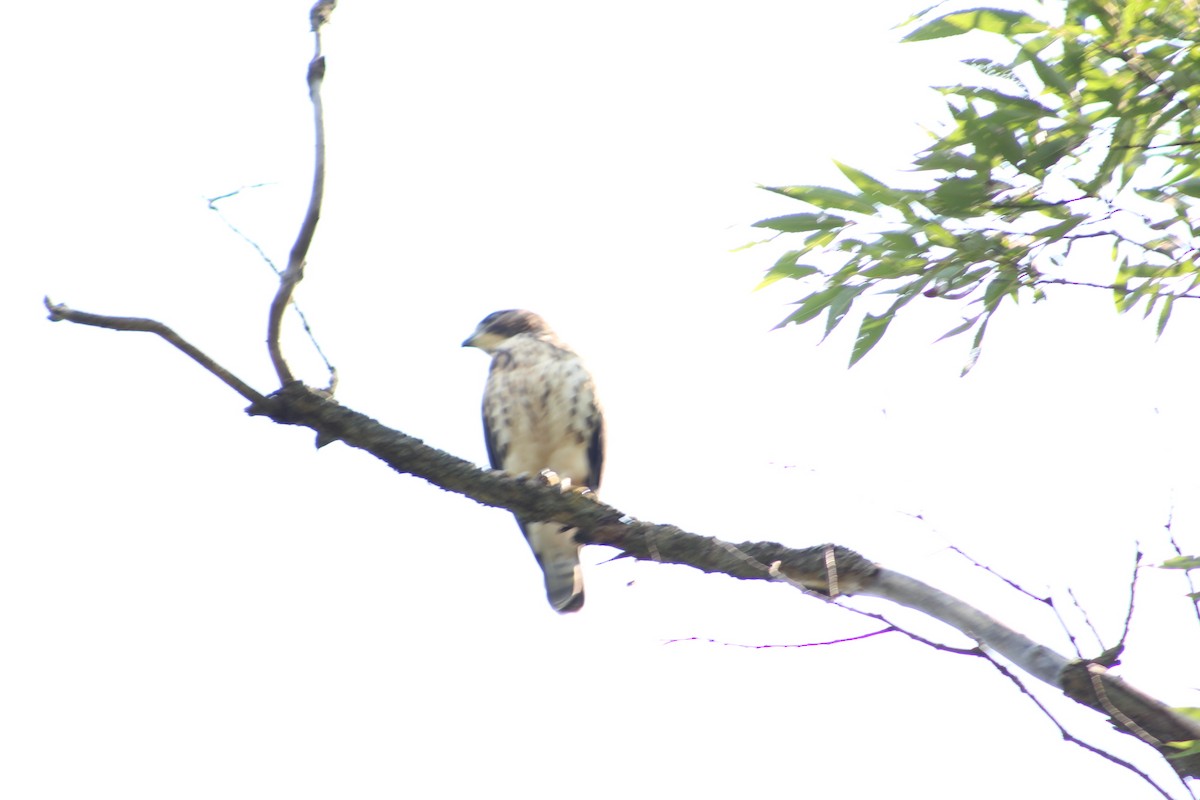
x: 956, y: 280
x: 869, y: 334
x: 876, y: 191
x: 939, y: 235
x: 1186, y: 749
x: 1121, y: 286
x: 794, y: 223
x: 976, y: 347
x: 1009, y: 107
x: 1190, y: 187
x: 1164, y: 315
x: 1047, y: 74
x: 902, y: 243
x: 993, y: 69
x: 999, y: 286
x: 1050, y: 152
x: 840, y: 306
x: 825, y: 197
x: 1060, y: 229
x: 960, y: 197
x: 1153, y: 301
x: 786, y: 267
x: 946, y: 160
x: 894, y: 268
x: 957, y: 329
x: 812, y: 305
x: 991, y: 20
x: 1182, y: 562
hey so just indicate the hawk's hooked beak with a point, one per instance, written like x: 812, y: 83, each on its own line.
x: 484, y: 340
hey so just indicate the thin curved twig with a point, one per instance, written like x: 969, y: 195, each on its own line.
x: 312, y: 336
x: 795, y: 645
x: 1110, y: 287
x: 295, y: 268
x: 212, y: 206
x: 1047, y: 601
x: 60, y: 312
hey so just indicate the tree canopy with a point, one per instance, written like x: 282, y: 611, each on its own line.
x: 1085, y: 133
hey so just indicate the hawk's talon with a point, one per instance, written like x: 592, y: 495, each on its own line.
x: 549, y: 477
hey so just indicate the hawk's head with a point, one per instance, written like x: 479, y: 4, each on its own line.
x: 500, y: 326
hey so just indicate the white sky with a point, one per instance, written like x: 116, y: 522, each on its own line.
x: 195, y: 604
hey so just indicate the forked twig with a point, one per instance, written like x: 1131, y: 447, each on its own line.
x: 1048, y: 601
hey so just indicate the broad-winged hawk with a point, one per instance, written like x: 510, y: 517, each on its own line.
x: 540, y: 413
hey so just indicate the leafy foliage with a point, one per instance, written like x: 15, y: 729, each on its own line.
x: 1089, y: 132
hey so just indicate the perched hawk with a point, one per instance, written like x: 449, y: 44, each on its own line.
x: 540, y: 412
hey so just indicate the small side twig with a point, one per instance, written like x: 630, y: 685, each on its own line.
x: 1086, y: 619
x: 1180, y: 143
x: 212, y: 206
x: 1187, y: 574
x: 945, y: 648
x: 1110, y: 287
x: 1110, y: 656
x: 1048, y: 601
x: 1013, y: 584
x: 312, y: 337
x: 60, y: 312
x: 792, y: 646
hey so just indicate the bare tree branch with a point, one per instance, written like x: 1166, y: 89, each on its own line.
x: 60, y: 312
x: 296, y: 259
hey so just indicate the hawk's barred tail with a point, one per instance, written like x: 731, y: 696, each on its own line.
x: 558, y: 555
x: 564, y: 584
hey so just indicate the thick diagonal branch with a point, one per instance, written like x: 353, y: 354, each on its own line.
x: 530, y: 497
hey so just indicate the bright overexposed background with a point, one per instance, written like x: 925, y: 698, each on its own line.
x: 195, y: 603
